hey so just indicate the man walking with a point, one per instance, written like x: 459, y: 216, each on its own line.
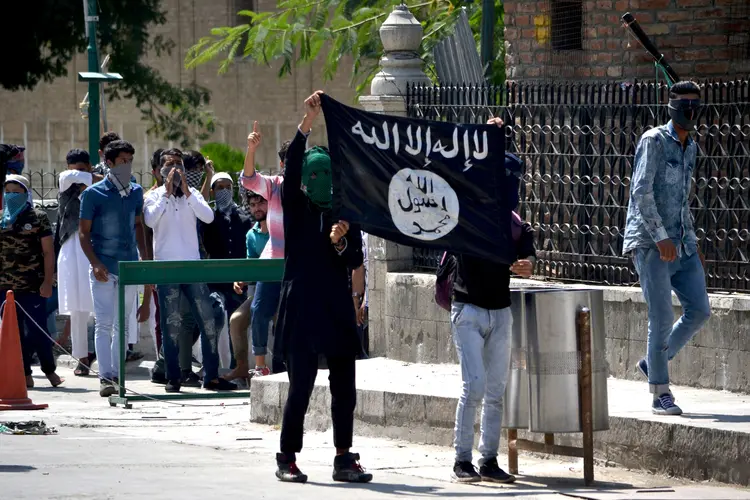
x: 660, y: 237
x: 110, y: 229
x: 173, y: 211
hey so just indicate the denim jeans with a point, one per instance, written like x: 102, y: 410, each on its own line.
x: 107, y: 326
x: 33, y: 340
x: 665, y: 336
x: 482, y: 339
x: 210, y: 322
x: 264, y: 306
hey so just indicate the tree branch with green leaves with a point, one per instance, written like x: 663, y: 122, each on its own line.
x: 329, y: 31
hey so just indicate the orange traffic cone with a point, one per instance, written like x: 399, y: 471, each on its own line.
x: 13, y: 395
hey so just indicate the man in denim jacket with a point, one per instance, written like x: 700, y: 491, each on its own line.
x: 659, y: 234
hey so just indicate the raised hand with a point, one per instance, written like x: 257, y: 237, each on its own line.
x: 254, y: 139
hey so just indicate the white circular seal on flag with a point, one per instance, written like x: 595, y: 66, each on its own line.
x: 422, y: 204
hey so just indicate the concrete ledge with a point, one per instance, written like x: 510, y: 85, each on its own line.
x: 417, y: 402
x: 409, y: 326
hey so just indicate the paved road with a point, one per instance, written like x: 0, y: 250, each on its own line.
x: 162, y: 451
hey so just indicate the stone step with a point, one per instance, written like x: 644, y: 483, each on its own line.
x: 417, y: 402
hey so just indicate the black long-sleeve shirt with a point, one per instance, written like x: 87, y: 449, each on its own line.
x: 316, y: 312
x: 486, y: 284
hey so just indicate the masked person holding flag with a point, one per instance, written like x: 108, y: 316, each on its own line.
x: 316, y: 316
x: 110, y: 229
x: 660, y: 237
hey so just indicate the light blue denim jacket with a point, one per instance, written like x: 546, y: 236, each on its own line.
x: 659, y: 191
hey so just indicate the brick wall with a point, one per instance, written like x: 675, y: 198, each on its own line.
x: 48, y: 120
x: 699, y: 38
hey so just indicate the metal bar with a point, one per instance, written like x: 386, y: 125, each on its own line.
x: 512, y: 451
x: 179, y: 272
x: 126, y: 400
x: 548, y: 449
x: 122, y: 339
x: 585, y: 397
x: 200, y: 271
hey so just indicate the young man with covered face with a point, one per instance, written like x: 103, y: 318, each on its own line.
x: 173, y: 211
x: 224, y: 238
x: 74, y: 288
x: 27, y: 267
x: 110, y: 229
x: 660, y: 237
x: 316, y: 316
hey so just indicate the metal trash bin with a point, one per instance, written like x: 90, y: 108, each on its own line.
x: 516, y: 407
x: 553, y: 359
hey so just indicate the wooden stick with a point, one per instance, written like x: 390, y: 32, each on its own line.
x: 549, y: 449
x: 512, y: 451
x: 585, y: 396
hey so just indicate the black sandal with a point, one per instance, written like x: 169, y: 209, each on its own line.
x: 81, y: 370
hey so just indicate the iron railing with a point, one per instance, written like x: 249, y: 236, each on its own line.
x: 577, y: 141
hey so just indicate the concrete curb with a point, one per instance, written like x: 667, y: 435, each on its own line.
x: 692, y: 452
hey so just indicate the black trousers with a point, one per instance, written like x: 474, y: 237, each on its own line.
x: 302, y: 369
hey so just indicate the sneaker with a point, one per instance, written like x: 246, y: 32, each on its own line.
x: 220, y: 385
x: 491, y: 472
x: 664, y: 405
x: 259, y: 372
x: 106, y: 388
x: 190, y: 379
x: 642, y: 367
x: 464, y: 472
x: 287, y: 470
x: 346, y: 468
x: 172, y: 386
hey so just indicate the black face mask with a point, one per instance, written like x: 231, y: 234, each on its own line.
x: 684, y: 112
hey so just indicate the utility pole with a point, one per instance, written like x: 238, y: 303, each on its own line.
x: 89, y: 9
x: 487, y: 36
x: 94, y: 79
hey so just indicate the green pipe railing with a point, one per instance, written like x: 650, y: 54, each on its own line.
x: 184, y: 272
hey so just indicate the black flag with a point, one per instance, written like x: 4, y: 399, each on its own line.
x: 423, y: 183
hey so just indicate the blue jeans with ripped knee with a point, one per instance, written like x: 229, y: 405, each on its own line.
x: 209, y: 322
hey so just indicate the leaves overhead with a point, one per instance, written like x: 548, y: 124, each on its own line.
x: 54, y: 33
x: 301, y: 31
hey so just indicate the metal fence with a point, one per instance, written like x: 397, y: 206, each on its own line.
x: 577, y: 141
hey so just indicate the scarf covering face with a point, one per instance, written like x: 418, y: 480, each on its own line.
x: 13, y: 205
x: 119, y: 175
x: 318, y: 190
x: 193, y: 178
x: 223, y: 199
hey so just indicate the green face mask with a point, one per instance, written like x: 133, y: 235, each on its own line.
x: 318, y: 189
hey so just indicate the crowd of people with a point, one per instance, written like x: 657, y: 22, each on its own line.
x: 320, y: 307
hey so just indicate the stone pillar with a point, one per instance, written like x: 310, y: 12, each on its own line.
x: 401, y: 35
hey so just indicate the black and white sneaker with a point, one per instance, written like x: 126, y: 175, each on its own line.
x: 287, y: 470
x: 664, y: 405
x: 346, y: 468
x: 106, y: 388
x: 465, y: 472
x: 491, y: 472
x: 642, y: 367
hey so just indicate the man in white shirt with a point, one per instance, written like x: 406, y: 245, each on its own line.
x: 173, y: 211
